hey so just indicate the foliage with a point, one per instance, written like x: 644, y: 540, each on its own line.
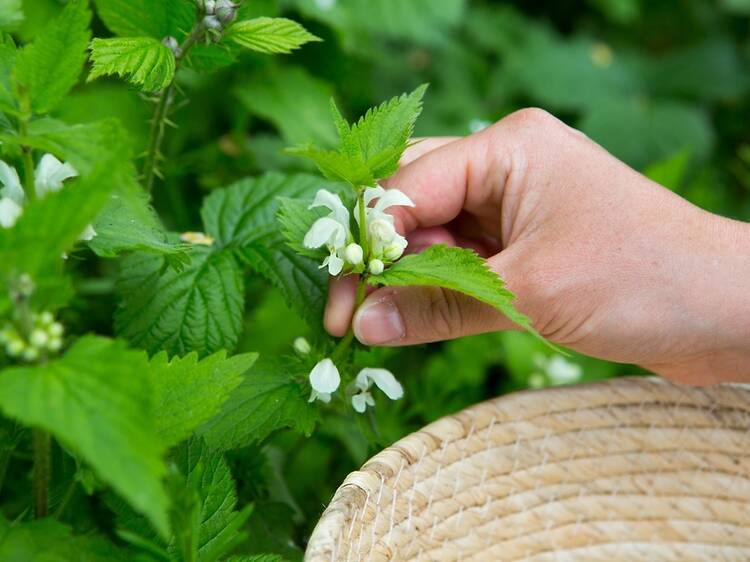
x: 153, y: 433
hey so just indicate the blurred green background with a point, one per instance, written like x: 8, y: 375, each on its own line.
x: 662, y: 84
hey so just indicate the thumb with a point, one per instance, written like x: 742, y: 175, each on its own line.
x: 395, y: 316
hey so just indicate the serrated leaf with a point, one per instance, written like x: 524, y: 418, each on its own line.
x: 50, y: 541
x: 296, y: 218
x: 300, y: 279
x: 102, y: 380
x: 269, y: 398
x: 187, y: 392
x: 337, y: 166
x: 154, y: 18
x: 457, y: 269
x: 270, y: 35
x: 143, y: 61
x: 198, y: 309
x: 208, y: 473
x: 49, y: 67
x: 210, y: 57
x: 8, y: 54
x: 128, y: 223
x: 380, y: 137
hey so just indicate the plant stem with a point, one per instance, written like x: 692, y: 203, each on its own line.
x: 42, y: 471
x: 28, y: 160
x: 363, y: 226
x: 164, y: 102
x: 69, y: 493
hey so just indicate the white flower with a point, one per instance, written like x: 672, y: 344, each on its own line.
x: 331, y: 231
x: 383, y: 379
x: 11, y: 184
x: 561, y: 371
x: 88, y: 234
x: 324, y: 380
x: 354, y: 254
x: 385, y: 243
x: 50, y: 175
x: 376, y: 267
x: 9, y: 212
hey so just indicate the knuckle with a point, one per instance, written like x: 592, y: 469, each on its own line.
x: 531, y: 117
x: 443, y: 314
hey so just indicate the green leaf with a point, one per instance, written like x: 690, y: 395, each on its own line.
x: 144, y: 61
x: 269, y: 398
x: 256, y: 558
x: 188, y: 392
x: 380, y: 137
x: 336, y: 166
x: 128, y: 223
x: 207, y: 472
x: 154, y: 18
x: 244, y: 216
x: 8, y: 54
x: 457, y: 269
x: 49, y: 67
x: 96, y: 400
x: 11, y: 15
x: 274, y: 95
x: 245, y: 212
x: 46, y: 540
x: 270, y: 35
x: 296, y: 218
x: 198, y: 309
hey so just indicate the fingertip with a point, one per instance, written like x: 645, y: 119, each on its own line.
x: 342, y: 294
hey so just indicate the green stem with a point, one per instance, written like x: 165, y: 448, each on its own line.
x: 164, y: 102
x: 6, y: 451
x: 28, y: 160
x: 69, y: 493
x: 363, y: 226
x: 42, y: 471
x: 346, y: 341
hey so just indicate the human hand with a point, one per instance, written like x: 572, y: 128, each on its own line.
x: 603, y: 260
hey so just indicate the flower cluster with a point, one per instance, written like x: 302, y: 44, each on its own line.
x: 49, y: 177
x: 218, y: 13
x: 46, y: 335
x: 383, y: 243
x: 325, y: 380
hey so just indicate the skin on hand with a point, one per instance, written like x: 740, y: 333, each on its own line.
x: 603, y: 260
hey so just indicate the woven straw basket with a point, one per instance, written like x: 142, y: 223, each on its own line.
x: 627, y: 469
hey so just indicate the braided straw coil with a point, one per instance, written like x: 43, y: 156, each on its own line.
x: 626, y: 469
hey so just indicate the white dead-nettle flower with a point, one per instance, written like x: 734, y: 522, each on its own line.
x: 331, y: 231
x: 9, y: 212
x: 555, y: 370
x: 12, y: 196
x: 301, y: 346
x: 50, y: 174
x: 324, y: 380
x: 385, y: 243
x: 197, y: 238
x: 383, y: 379
x: 376, y: 266
x: 354, y: 254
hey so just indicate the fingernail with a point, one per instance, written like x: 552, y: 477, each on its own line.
x: 378, y: 323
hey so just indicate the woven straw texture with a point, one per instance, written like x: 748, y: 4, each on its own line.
x: 627, y: 469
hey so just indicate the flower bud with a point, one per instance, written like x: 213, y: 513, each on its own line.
x: 46, y: 318
x: 38, y: 338
x: 381, y: 231
x: 376, y: 267
x: 393, y: 252
x: 212, y: 22
x: 55, y: 344
x: 173, y: 46
x: 226, y: 11
x: 55, y: 330
x: 15, y: 347
x: 354, y: 254
x: 209, y: 6
x: 30, y: 354
x: 302, y: 346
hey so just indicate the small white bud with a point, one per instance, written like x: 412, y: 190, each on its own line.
x: 212, y: 22
x: 55, y: 330
x: 38, y: 338
x: 376, y: 267
x: 209, y: 6
x: 30, y: 354
x: 354, y: 254
x: 173, y: 45
x: 46, y: 318
x: 393, y: 252
x: 302, y: 346
x: 226, y: 11
x: 55, y: 344
x: 15, y: 347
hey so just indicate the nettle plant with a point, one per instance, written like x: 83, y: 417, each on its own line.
x: 113, y: 448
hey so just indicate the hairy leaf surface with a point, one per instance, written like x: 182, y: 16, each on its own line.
x: 154, y: 18
x: 197, y: 309
x: 270, y: 35
x: 144, y: 61
x: 49, y: 67
x: 96, y: 400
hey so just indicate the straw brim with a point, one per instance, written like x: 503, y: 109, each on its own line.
x: 626, y: 469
